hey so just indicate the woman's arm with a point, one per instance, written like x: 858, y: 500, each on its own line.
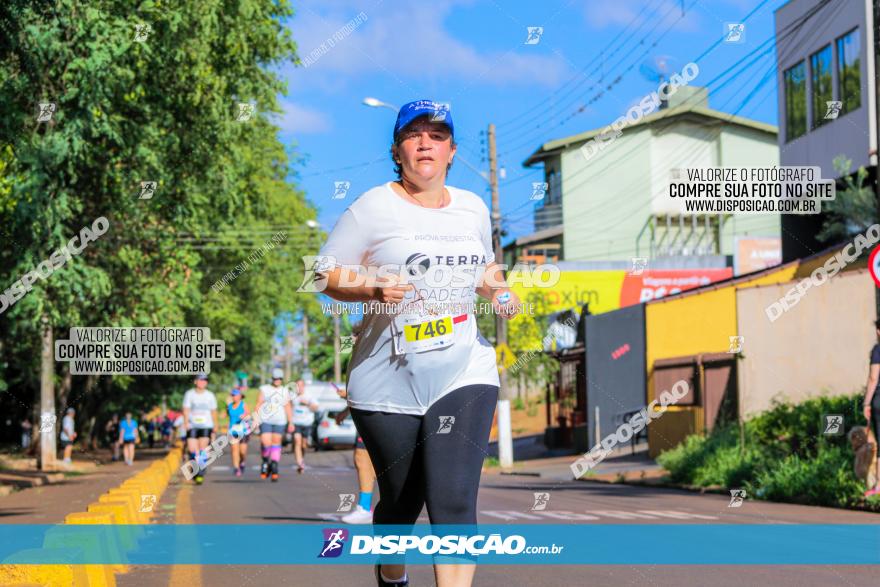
x: 341, y: 287
x: 873, y: 376
x: 492, y: 285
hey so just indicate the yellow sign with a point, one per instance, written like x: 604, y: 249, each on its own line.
x: 601, y: 289
x: 504, y: 357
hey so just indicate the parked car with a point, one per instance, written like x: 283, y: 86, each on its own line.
x: 330, y: 434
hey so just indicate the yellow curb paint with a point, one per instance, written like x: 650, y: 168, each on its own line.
x: 185, y: 575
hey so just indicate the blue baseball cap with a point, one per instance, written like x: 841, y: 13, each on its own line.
x: 438, y: 111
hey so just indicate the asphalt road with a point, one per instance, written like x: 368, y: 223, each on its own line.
x: 313, y: 497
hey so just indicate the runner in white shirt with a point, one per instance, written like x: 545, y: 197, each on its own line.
x: 199, y: 416
x: 304, y: 408
x: 275, y: 416
x: 413, y: 375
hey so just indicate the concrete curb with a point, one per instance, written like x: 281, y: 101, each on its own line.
x: 131, y: 503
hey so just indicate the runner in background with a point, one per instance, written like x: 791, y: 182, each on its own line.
x: 199, y: 416
x: 304, y: 408
x: 237, y: 410
x: 363, y: 512
x: 128, y: 436
x: 112, y: 430
x: 68, y: 434
x: 274, y: 420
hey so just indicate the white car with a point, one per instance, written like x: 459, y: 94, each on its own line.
x: 329, y: 433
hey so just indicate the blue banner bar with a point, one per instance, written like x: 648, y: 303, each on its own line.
x: 496, y: 544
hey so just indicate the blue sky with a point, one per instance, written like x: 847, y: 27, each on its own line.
x: 472, y: 54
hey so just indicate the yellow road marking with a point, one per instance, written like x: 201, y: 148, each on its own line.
x: 185, y: 575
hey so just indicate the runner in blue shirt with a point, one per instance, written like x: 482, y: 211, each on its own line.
x: 239, y: 429
x: 128, y: 436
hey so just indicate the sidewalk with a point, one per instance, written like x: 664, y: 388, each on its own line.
x: 49, y: 504
x: 532, y: 458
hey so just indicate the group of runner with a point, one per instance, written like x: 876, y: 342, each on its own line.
x: 277, y: 411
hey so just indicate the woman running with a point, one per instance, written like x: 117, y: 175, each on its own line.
x: 304, y: 408
x: 199, y: 415
x: 237, y: 411
x: 871, y: 404
x: 275, y: 418
x: 128, y: 436
x: 416, y: 367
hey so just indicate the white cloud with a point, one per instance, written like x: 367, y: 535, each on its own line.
x: 409, y: 42
x: 301, y: 119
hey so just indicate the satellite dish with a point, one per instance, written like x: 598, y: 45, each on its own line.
x: 658, y: 68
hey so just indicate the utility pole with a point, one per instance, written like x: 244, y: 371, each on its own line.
x: 505, y: 438
x: 337, y: 363
x: 307, y: 375
x: 288, y: 350
x: 47, y: 398
x: 500, y: 326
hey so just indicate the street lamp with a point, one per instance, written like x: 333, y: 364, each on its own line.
x: 374, y: 103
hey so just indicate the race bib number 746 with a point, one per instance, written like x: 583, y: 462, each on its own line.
x: 423, y: 335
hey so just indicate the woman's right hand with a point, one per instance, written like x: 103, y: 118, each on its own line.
x: 867, y: 411
x: 390, y: 290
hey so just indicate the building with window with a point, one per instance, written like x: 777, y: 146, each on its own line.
x: 826, y: 98
x: 615, y: 205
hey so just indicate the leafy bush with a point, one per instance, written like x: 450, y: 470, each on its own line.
x: 785, y: 456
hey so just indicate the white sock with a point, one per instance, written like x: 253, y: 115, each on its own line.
x: 387, y: 580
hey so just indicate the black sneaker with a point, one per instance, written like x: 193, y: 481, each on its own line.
x: 264, y: 470
x: 383, y: 583
x: 274, y: 470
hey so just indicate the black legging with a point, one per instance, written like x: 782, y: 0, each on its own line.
x: 417, y: 465
x: 875, y: 415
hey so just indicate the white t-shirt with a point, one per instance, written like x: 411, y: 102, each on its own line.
x: 275, y: 398
x: 381, y: 228
x: 200, y: 404
x: 302, y: 415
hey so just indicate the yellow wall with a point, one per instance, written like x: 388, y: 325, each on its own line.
x: 694, y: 324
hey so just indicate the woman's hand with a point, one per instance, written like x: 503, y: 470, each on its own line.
x: 290, y: 428
x: 390, y: 290
x: 506, y: 303
x: 867, y: 412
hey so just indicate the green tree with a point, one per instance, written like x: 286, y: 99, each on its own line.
x: 853, y: 209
